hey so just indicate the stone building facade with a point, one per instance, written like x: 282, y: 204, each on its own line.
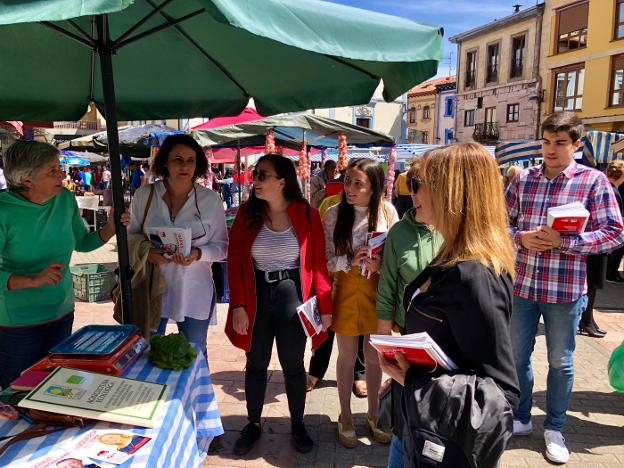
x: 498, y: 90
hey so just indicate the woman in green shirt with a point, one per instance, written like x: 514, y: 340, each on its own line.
x: 410, y: 246
x: 40, y: 227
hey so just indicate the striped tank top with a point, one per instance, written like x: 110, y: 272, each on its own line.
x: 275, y: 251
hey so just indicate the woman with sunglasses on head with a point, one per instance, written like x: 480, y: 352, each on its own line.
x: 347, y: 226
x: 463, y: 301
x: 176, y: 201
x: 276, y: 261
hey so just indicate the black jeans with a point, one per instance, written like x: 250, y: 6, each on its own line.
x: 613, y: 263
x: 319, y: 362
x: 21, y: 347
x: 276, y: 317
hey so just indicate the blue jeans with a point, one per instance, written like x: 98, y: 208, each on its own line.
x: 195, y: 331
x: 560, y: 324
x: 21, y: 347
x: 395, y: 455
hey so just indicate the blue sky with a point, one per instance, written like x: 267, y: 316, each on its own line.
x: 455, y: 16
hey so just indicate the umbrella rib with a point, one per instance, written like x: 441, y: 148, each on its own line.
x: 71, y: 35
x: 149, y: 32
x: 205, y: 54
x: 80, y: 30
x: 142, y: 21
x: 350, y: 65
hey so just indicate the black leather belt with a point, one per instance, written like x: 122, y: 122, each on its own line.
x: 280, y: 275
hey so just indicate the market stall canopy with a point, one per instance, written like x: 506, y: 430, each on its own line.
x: 245, y: 116
x: 85, y: 143
x: 596, y: 148
x: 74, y: 162
x: 208, y: 57
x: 321, y: 132
x: 86, y: 155
x: 137, y: 140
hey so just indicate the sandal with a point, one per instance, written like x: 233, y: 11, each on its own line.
x: 359, y: 388
x: 312, y: 382
x: 346, y: 434
x: 378, y: 435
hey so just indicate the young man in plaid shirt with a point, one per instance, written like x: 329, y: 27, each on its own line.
x: 550, y: 268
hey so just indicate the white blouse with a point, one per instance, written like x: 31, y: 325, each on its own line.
x: 385, y: 220
x: 189, y: 289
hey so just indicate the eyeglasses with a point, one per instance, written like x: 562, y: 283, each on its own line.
x: 415, y: 184
x: 260, y: 176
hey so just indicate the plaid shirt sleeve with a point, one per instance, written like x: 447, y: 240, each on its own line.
x: 511, y: 198
x: 605, y: 232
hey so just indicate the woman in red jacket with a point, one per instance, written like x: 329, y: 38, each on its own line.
x: 275, y: 262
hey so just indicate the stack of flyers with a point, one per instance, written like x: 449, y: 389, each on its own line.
x: 419, y: 349
x: 108, y: 445
x: 310, y: 317
x: 58, y: 458
x: 375, y: 241
x: 570, y: 218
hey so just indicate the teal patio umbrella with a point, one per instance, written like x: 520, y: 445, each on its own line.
x: 158, y: 59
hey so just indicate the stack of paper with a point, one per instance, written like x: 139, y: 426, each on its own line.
x: 173, y: 240
x: 568, y: 218
x: 310, y: 317
x: 419, y: 349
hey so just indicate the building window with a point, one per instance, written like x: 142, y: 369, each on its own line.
x: 449, y: 107
x: 469, y: 118
x: 448, y: 136
x: 619, y: 19
x: 513, y: 112
x: 491, y: 74
x: 471, y: 69
x: 490, y: 114
x: 426, y: 112
x: 425, y: 138
x: 572, y: 27
x: 517, y: 56
x: 363, y: 122
x: 617, y: 81
x: 412, y: 115
x: 569, y: 88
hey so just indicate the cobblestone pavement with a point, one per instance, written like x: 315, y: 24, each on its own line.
x: 594, y: 430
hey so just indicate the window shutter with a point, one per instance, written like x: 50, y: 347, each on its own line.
x: 573, y: 18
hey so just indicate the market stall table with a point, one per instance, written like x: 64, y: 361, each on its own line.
x: 189, y: 420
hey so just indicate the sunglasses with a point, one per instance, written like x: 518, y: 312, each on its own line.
x: 415, y: 184
x: 261, y: 176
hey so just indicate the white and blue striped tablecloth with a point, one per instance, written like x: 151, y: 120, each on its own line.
x: 188, y: 421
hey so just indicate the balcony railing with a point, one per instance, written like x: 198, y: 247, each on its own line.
x: 485, y: 132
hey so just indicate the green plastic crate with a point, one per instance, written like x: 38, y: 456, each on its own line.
x: 93, y: 281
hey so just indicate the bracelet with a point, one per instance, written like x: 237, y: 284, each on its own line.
x: 237, y: 306
x: 199, y: 254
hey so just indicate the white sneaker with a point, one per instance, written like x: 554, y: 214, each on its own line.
x: 556, y: 451
x: 522, y: 429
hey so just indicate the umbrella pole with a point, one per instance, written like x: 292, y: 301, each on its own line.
x: 238, y: 160
x: 110, y: 111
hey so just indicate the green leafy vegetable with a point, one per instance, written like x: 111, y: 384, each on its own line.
x: 171, y: 351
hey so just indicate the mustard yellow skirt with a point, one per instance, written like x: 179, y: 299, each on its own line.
x: 354, y: 303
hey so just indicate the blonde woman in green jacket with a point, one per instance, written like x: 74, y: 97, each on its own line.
x: 410, y: 246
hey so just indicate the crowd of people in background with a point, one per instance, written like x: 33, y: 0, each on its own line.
x: 468, y: 258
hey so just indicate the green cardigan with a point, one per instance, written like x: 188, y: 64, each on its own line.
x: 409, y: 248
x: 31, y: 237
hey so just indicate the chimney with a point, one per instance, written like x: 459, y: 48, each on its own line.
x: 517, y: 7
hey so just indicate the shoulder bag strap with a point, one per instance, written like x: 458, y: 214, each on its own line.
x: 147, y: 206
